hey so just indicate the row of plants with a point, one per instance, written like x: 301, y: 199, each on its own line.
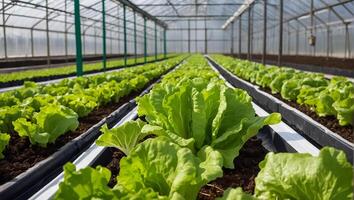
x: 191, y: 127
x: 326, y: 97
x: 71, y: 69
x: 42, y: 113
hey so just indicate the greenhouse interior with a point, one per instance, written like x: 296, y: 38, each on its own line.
x: 181, y: 100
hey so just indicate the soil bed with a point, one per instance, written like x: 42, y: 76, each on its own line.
x: 20, y: 155
x: 330, y: 122
x: 246, y: 169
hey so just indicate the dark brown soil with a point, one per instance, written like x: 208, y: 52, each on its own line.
x: 331, y: 122
x: 246, y: 170
x: 113, y: 166
x: 20, y: 155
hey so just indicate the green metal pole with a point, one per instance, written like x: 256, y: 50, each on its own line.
x: 125, y: 34
x: 135, y: 44
x: 164, y: 43
x: 145, y: 45
x: 155, y: 41
x: 78, y: 38
x: 104, y: 56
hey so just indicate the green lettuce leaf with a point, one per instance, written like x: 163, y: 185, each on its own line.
x: 236, y: 194
x: 302, y: 176
x: 4, y: 141
x: 87, y: 183
x: 171, y: 171
x: 124, y: 137
x: 47, y: 125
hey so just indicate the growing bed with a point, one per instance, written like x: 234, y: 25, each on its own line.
x: 112, y: 154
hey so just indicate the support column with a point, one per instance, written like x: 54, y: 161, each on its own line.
x: 347, y: 42
x: 78, y: 38
x: 232, y: 38
x: 205, y: 37
x: 95, y: 40
x: 189, y: 36
x: 4, y: 28
x: 249, y: 34
x: 145, y: 44
x: 239, y: 37
x: 135, y: 43
x: 164, y: 43
x: 125, y: 34
x: 280, y: 54
x: 104, y: 56
x: 47, y: 31
x: 66, y: 30
x: 327, y: 46
x: 155, y: 41
x: 264, y: 32
x: 32, y: 43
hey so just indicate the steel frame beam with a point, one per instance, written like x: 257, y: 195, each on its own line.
x: 264, y: 32
x: 280, y: 53
x: 79, y: 71
x: 104, y: 39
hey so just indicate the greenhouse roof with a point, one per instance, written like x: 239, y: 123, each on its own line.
x: 32, y: 13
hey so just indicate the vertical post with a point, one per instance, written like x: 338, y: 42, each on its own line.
x: 232, y: 38
x: 66, y: 30
x: 95, y: 40
x: 145, y: 44
x: 155, y: 41
x: 125, y: 34
x: 347, y: 42
x: 264, y: 32
x: 205, y: 37
x: 239, y: 37
x: 4, y: 28
x: 327, y: 46
x: 280, y: 54
x: 78, y: 38
x: 249, y: 34
x: 32, y: 43
x: 135, y: 44
x: 164, y: 43
x: 297, y: 42
x: 47, y: 31
x: 104, y: 56
x: 84, y: 39
x: 189, y: 36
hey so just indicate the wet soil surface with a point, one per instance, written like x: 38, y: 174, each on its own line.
x: 20, y: 155
x: 244, y: 174
x: 114, y: 166
x: 246, y: 169
x: 331, y: 122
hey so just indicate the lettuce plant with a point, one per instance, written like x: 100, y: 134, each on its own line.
x: 166, y: 168
x: 47, y: 125
x: 124, y: 137
x: 196, y: 113
x: 302, y: 176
